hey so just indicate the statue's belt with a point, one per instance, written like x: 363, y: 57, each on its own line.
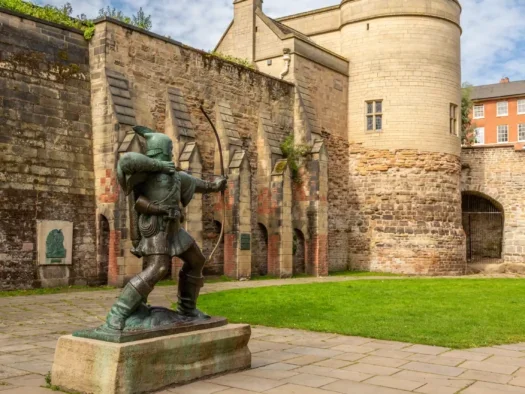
x: 174, y: 214
x: 151, y: 224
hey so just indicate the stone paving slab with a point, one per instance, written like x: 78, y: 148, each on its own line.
x: 285, y: 361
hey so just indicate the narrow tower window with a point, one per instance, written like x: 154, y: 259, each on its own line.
x: 454, y: 119
x: 374, y: 115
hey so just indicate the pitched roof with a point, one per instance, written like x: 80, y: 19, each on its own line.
x: 284, y: 32
x: 496, y: 90
x: 288, y: 30
x: 307, y: 13
x: 281, y: 30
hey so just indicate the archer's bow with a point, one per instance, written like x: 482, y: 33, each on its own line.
x: 222, y: 191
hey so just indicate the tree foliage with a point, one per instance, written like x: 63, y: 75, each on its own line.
x: 468, y: 135
x: 139, y: 19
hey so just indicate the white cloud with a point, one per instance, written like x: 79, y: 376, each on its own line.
x: 493, y: 38
x: 493, y: 42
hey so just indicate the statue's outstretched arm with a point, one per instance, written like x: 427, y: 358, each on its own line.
x: 210, y: 187
x: 132, y: 163
x: 191, y: 185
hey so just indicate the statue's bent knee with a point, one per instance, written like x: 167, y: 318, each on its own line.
x: 194, y: 261
x: 158, y: 267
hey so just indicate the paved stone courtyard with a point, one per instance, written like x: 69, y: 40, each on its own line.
x: 284, y: 360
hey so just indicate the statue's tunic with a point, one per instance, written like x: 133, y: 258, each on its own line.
x: 159, y: 236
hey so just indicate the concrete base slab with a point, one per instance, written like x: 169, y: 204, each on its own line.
x: 95, y: 367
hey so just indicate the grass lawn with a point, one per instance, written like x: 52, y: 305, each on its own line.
x: 223, y: 278
x: 361, y: 273
x: 457, y: 313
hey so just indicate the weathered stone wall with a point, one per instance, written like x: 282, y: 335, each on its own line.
x: 324, y: 93
x: 342, y: 204
x: 46, y: 163
x: 404, y: 212
x: 152, y: 64
x: 498, y: 173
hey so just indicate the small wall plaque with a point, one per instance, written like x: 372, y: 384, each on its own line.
x: 246, y: 240
x: 55, y: 242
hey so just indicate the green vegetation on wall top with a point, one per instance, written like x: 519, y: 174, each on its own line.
x: 233, y: 59
x: 58, y: 15
x: 63, y: 15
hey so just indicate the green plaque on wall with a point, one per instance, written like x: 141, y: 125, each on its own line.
x: 245, y: 242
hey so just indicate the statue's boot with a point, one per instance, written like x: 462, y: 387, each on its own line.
x: 189, y: 289
x: 128, y: 302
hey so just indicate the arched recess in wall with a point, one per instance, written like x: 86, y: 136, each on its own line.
x: 260, y: 251
x: 299, y: 252
x: 103, y: 249
x: 216, y: 265
x: 483, y: 222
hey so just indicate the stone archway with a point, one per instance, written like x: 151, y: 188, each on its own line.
x: 260, y: 251
x: 299, y: 252
x: 483, y: 222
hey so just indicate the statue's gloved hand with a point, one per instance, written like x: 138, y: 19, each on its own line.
x: 168, y: 167
x: 220, y: 184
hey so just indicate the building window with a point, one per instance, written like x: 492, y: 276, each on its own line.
x: 503, y: 108
x: 453, y: 119
x: 503, y: 134
x: 479, y: 111
x: 374, y: 115
x: 479, y: 135
x: 521, y: 107
x: 521, y: 132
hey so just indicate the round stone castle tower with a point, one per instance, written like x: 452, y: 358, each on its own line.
x: 404, y: 123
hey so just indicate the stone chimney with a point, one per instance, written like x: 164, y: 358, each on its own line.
x: 244, y: 27
x: 505, y: 80
x: 258, y: 3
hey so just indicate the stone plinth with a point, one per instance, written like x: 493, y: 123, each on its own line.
x: 96, y: 367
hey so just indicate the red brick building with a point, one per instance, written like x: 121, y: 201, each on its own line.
x: 499, y: 112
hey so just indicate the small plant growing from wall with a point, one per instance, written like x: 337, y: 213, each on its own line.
x: 296, y: 155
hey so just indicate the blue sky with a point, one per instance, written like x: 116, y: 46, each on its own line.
x: 493, y: 42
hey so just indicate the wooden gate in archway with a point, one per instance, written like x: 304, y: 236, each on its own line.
x: 483, y: 225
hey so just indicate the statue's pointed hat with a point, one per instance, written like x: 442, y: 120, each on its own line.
x: 156, y: 142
